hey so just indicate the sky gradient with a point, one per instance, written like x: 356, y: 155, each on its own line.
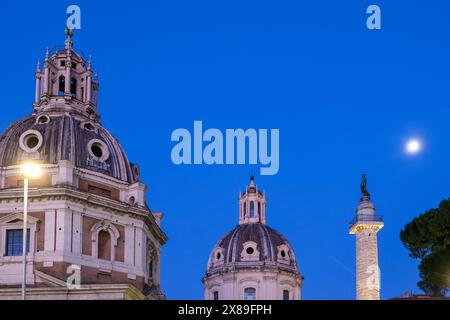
x: 345, y: 99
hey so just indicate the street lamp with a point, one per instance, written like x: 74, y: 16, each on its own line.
x: 29, y: 170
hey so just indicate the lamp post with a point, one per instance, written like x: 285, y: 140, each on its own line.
x: 29, y: 170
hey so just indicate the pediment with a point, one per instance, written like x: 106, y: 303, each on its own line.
x: 16, y: 218
x: 15, y: 221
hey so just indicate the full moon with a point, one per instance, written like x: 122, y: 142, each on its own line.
x: 413, y: 146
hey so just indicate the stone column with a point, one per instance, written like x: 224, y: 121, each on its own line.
x: 36, y: 95
x: 367, y: 270
x: 365, y: 227
x: 68, y: 78
x: 46, y: 83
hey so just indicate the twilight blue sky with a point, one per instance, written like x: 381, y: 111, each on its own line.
x: 344, y: 98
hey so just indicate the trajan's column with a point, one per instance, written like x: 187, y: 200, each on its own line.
x: 365, y: 226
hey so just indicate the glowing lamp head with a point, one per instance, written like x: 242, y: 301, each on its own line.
x: 413, y: 146
x: 31, y: 170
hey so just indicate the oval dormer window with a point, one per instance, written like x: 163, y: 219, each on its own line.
x: 30, y: 141
x: 89, y: 126
x: 98, y: 150
x: 43, y: 119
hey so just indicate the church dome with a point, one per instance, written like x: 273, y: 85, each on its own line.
x: 252, y: 246
x: 252, y: 261
x: 50, y: 137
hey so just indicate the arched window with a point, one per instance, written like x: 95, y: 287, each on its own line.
x: 252, y: 209
x: 61, y: 85
x: 104, y: 245
x: 216, y: 295
x: 249, y: 294
x: 286, y: 295
x: 73, y: 87
x: 104, y: 237
x: 259, y: 208
x: 245, y: 209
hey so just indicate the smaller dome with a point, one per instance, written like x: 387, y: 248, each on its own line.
x: 252, y: 246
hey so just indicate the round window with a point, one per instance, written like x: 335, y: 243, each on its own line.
x: 30, y: 141
x: 98, y: 150
x: 218, y: 256
x: 283, y: 253
x: 250, y: 250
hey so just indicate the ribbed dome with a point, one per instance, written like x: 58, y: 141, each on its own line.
x: 268, y: 249
x: 53, y: 136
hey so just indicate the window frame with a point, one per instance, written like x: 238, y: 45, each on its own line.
x: 114, y: 233
x: 20, y: 243
x: 15, y: 221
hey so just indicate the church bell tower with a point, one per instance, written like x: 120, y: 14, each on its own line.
x: 365, y: 227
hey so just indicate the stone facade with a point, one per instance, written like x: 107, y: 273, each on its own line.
x: 88, y: 207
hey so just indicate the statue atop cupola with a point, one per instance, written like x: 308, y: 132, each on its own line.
x: 66, y: 82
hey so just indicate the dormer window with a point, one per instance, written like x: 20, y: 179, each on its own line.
x: 250, y: 251
x: 30, y: 141
x: 88, y: 126
x: 283, y: 254
x: 218, y: 256
x: 43, y: 119
x: 98, y: 150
